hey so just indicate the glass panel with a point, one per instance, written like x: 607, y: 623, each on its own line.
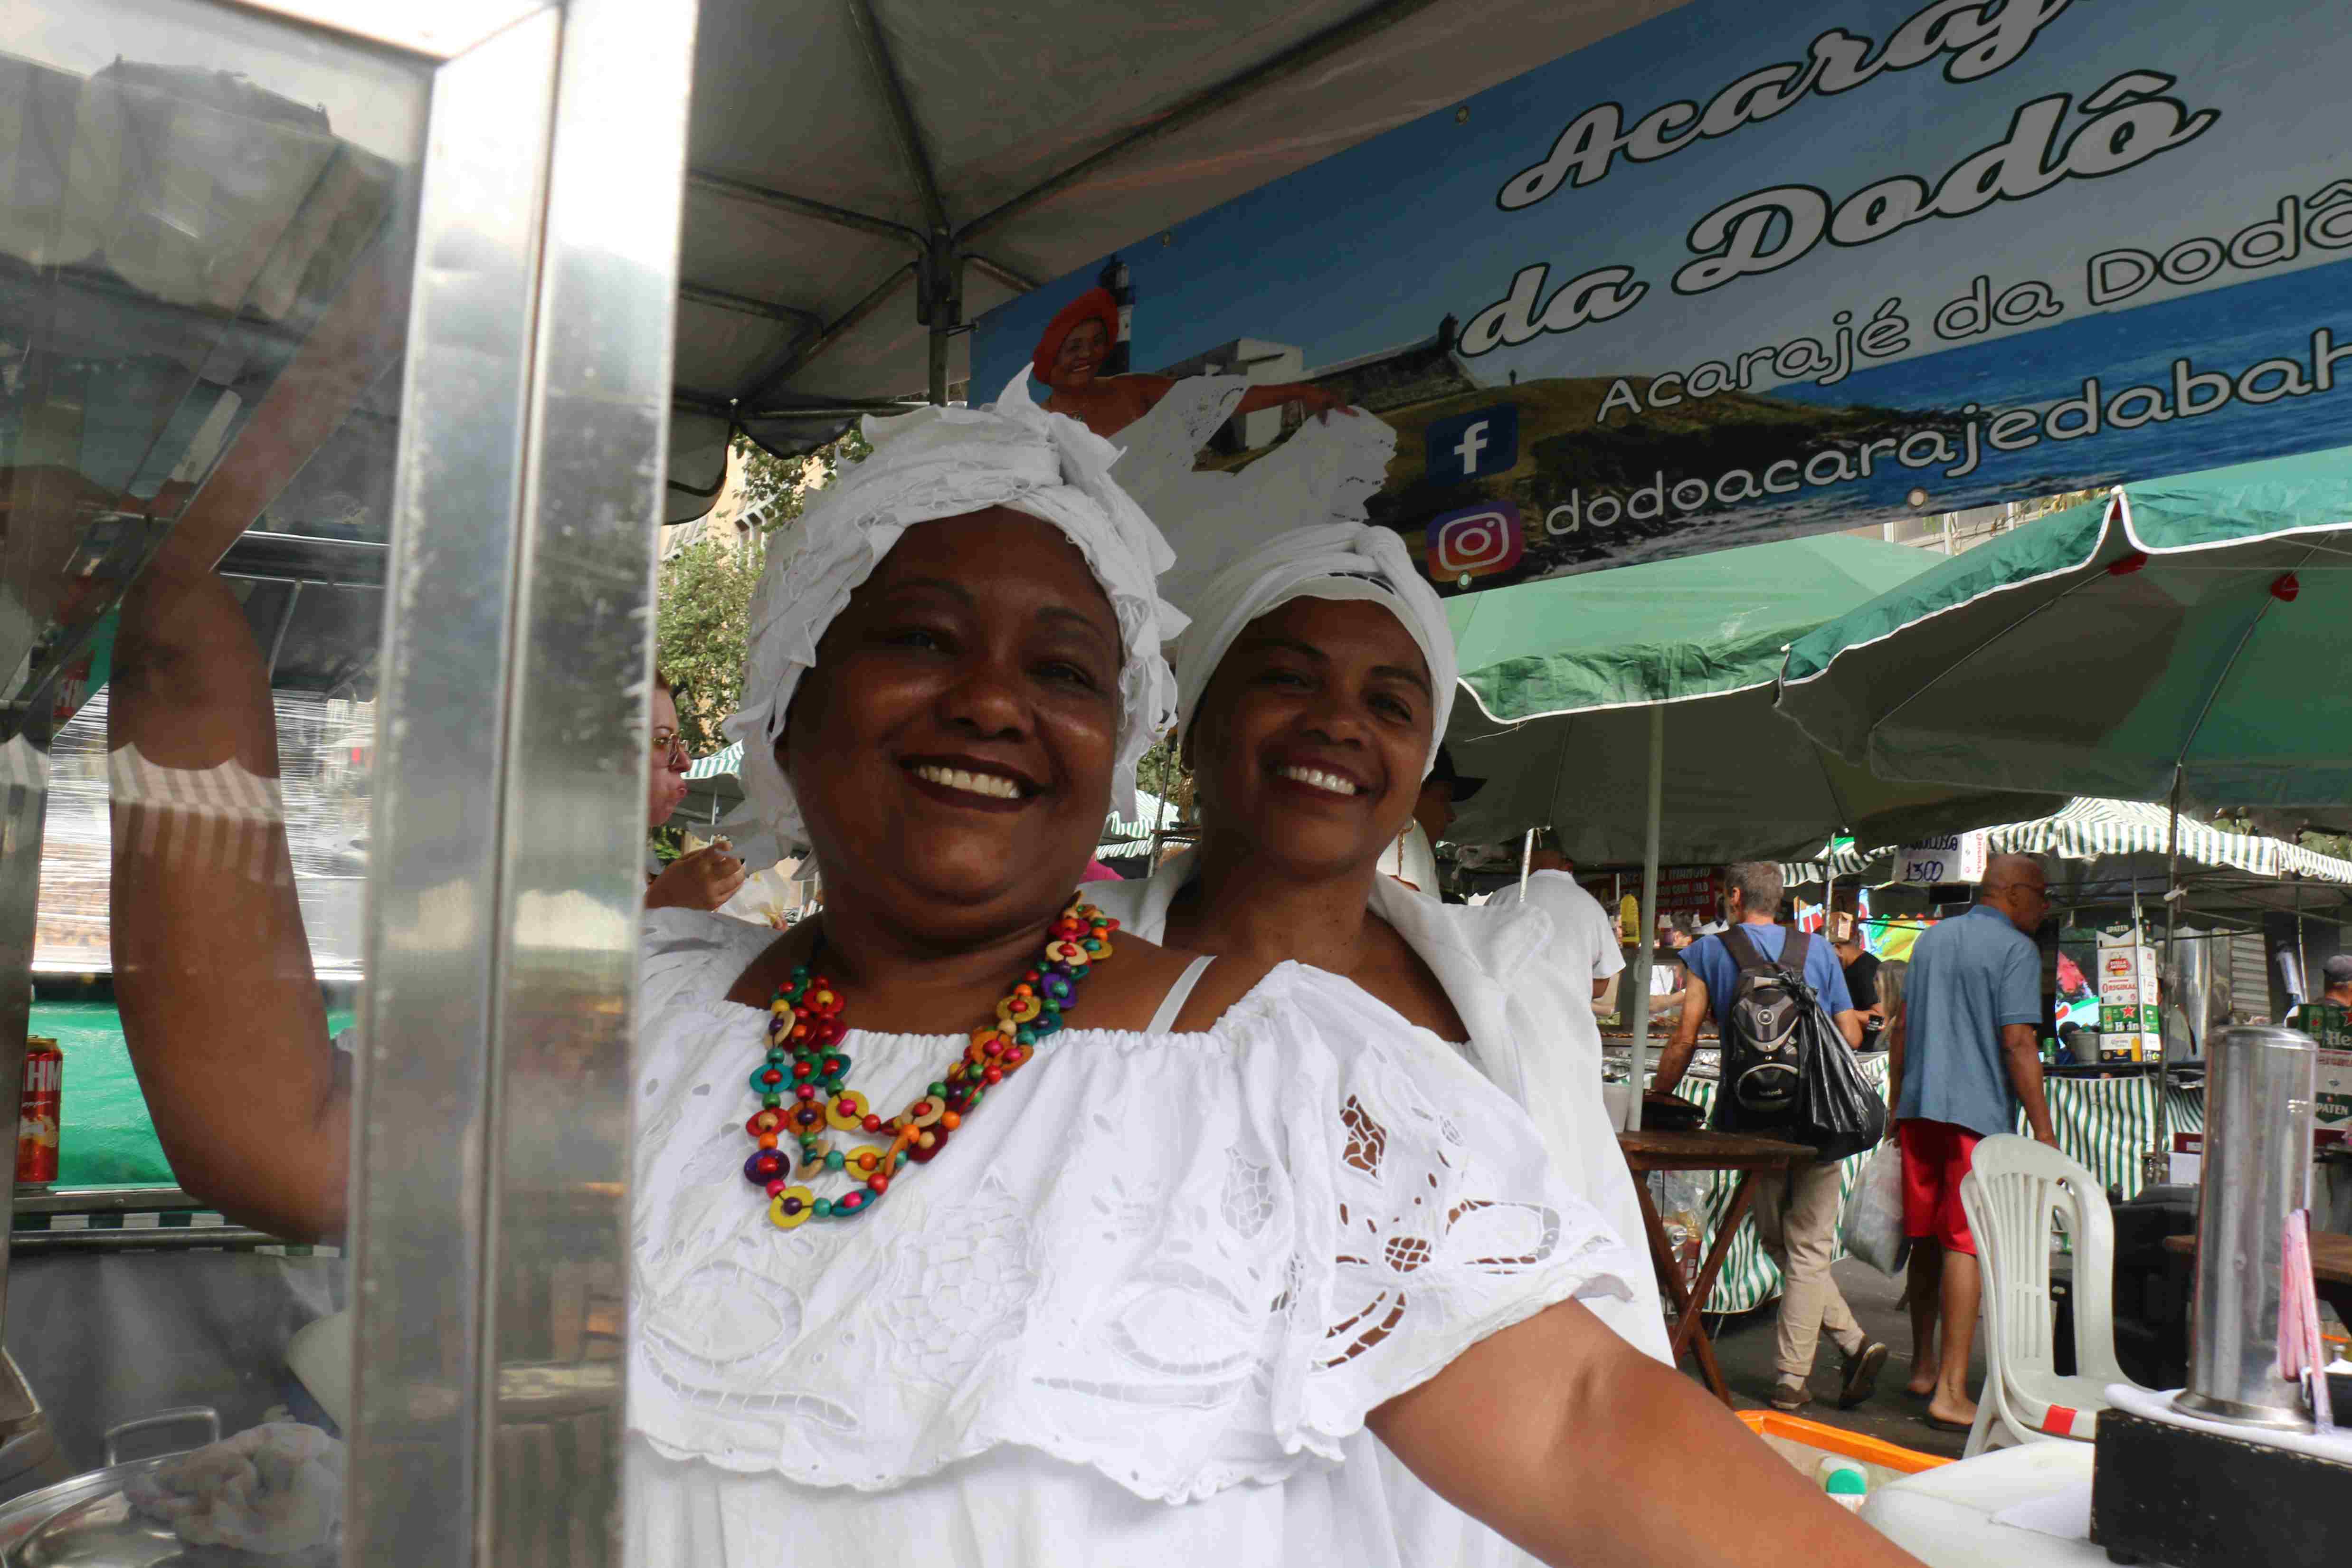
x: 207, y: 226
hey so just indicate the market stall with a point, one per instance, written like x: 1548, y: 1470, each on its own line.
x: 1632, y: 710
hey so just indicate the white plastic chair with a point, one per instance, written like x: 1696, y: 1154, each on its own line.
x: 2015, y: 1187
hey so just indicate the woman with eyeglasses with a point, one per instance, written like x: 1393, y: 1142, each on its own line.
x: 710, y: 876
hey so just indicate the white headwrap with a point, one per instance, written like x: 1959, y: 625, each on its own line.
x: 1330, y: 561
x: 945, y: 462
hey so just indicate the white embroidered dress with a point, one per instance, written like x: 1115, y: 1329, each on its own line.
x: 1136, y: 1313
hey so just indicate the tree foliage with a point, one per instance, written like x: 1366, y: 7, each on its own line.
x: 777, y: 488
x: 705, y: 600
x: 704, y: 595
x: 1160, y: 772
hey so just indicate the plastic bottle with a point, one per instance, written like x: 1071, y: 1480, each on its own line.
x: 1846, y: 1483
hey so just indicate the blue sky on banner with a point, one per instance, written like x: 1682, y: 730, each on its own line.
x: 1368, y: 250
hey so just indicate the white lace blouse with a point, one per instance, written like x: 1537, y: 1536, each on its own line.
x: 1136, y: 1314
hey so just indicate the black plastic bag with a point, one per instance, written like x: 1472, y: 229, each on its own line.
x: 1838, y: 1112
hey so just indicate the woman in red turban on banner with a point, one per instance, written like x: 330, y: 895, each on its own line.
x: 1079, y: 339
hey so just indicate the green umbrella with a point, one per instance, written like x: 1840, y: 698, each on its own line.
x: 1633, y: 711
x: 2186, y: 632
x: 2179, y: 638
x: 1569, y: 675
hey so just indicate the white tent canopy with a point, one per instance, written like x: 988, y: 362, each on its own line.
x: 867, y: 176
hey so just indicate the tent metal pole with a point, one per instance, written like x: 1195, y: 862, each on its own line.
x: 1303, y: 56
x: 1637, y: 978
x: 1526, y: 863
x: 2158, y: 1165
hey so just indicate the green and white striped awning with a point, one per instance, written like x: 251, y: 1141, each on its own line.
x: 728, y: 760
x: 2089, y: 829
x: 1123, y: 836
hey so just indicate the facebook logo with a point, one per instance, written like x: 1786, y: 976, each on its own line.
x: 1483, y: 441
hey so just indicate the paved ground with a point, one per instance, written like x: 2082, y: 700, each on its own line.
x: 1743, y: 1345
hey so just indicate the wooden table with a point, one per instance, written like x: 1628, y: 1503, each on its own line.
x: 1646, y: 1152
x: 2331, y: 1265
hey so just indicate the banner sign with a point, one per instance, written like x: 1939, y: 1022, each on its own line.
x: 1740, y: 273
x: 2129, y: 1017
x: 1950, y: 857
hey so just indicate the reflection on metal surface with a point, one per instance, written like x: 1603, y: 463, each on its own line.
x: 416, y: 1231
x: 442, y: 29
x: 24, y: 807
x: 599, y: 416
x: 179, y: 1238
x: 321, y: 794
x: 204, y: 263
x: 193, y: 269
x: 2257, y: 1170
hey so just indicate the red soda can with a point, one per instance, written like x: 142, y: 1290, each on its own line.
x: 38, y: 1110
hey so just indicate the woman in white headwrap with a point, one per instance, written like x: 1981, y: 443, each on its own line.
x: 1138, y: 1304
x: 1313, y: 687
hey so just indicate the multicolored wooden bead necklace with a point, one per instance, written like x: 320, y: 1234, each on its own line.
x: 800, y: 1081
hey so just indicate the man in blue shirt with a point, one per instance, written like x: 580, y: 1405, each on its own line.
x: 1963, y: 1059
x: 1796, y: 1211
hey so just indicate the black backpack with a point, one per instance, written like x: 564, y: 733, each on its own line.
x: 1765, y: 1035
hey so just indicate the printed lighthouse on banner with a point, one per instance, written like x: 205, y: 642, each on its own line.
x: 1744, y: 272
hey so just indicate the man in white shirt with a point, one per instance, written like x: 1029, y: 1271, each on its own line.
x: 1412, y: 859
x: 1584, y: 937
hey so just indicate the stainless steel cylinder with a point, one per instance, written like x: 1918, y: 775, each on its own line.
x: 2258, y: 1094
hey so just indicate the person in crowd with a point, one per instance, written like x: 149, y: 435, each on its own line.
x: 1584, y: 937
x: 1669, y: 979
x: 2327, y: 1018
x: 1155, y: 1299
x: 1893, y: 975
x: 1412, y: 858
x: 1967, y: 1058
x: 1797, y: 1210
x: 701, y: 878
x: 1860, y: 966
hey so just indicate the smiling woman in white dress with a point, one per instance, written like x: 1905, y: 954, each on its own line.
x: 1313, y: 688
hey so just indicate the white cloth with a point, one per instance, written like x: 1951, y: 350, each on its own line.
x: 1136, y: 1314
x: 1532, y: 1034
x: 1326, y: 470
x: 1585, y: 935
x: 939, y: 463
x: 276, y: 1489
x: 1332, y: 561
x: 1408, y: 859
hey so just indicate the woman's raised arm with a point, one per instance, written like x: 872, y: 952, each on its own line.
x: 220, y: 1007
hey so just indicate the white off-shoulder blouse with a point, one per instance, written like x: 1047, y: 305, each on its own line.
x: 1137, y: 1313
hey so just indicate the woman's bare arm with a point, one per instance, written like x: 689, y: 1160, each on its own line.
x: 1563, y: 1438
x: 220, y: 1007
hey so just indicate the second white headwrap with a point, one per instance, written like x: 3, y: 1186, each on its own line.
x: 1332, y: 561
x: 939, y: 463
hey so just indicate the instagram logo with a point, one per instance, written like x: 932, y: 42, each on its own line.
x: 1475, y: 541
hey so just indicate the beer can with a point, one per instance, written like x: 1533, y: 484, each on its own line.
x: 38, y: 1111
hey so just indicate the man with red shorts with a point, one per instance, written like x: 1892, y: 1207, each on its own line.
x: 1965, y: 1057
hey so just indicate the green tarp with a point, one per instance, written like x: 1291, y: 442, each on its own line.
x: 2199, y: 621
x: 1562, y: 677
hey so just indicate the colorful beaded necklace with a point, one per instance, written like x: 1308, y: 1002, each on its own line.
x: 800, y: 1081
